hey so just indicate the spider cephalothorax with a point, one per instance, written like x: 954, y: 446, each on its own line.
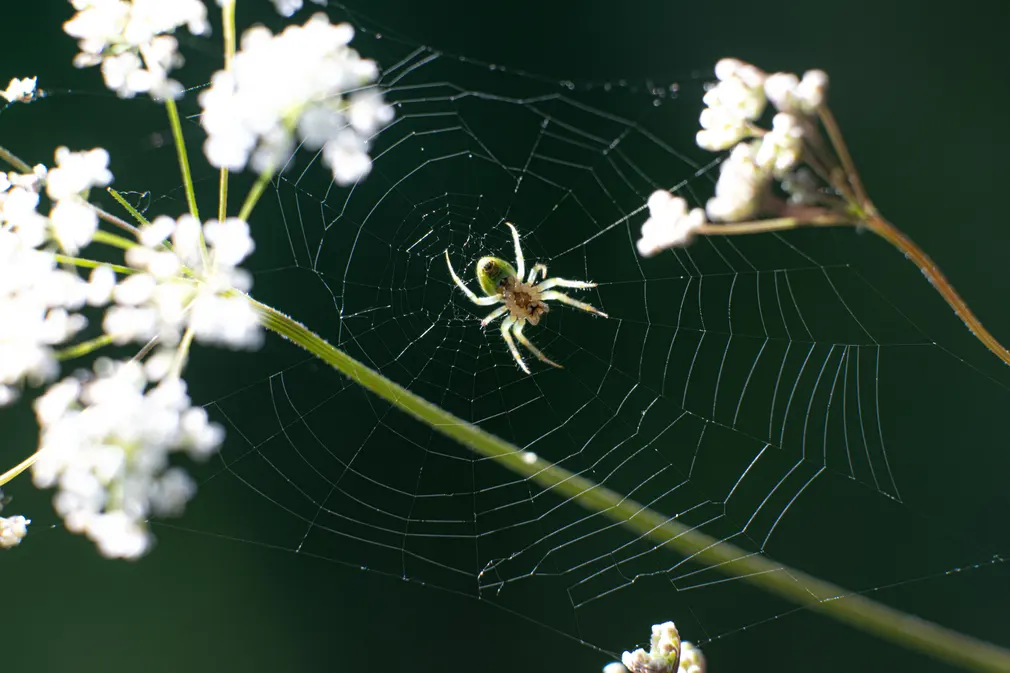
x: 524, y: 301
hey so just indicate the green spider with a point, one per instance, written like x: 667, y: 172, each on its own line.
x: 523, y: 302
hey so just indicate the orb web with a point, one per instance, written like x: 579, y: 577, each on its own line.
x: 740, y: 386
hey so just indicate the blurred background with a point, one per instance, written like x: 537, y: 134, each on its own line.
x: 921, y: 93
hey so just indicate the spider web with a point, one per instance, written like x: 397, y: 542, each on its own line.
x: 744, y: 386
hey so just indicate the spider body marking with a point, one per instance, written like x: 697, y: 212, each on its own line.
x: 523, y: 301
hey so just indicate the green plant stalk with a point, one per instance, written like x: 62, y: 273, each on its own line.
x: 134, y: 213
x: 796, y: 586
x: 92, y: 264
x: 253, y: 197
x: 228, y: 21
x: 180, y: 149
x: 83, y: 348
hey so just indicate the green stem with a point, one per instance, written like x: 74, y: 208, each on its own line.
x: 83, y: 348
x: 254, y: 195
x: 14, y: 161
x: 134, y: 213
x: 92, y: 264
x: 18, y: 469
x: 113, y: 240
x: 798, y: 587
x: 180, y: 148
x: 228, y: 20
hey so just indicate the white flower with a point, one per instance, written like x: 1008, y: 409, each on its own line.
x: 741, y: 187
x: 130, y: 40
x: 106, y: 443
x: 663, y: 655
x: 733, y: 103
x: 802, y: 187
x: 691, y: 659
x: 287, y: 8
x: 293, y: 87
x: 34, y: 298
x: 22, y: 90
x: 74, y: 224
x: 669, y: 224
x: 12, y: 530
x: 781, y: 148
x: 789, y: 94
x: 77, y: 172
x: 165, y: 302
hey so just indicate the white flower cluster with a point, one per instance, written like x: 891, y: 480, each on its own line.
x: 736, y: 101
x: 663, y: 655
x: 106, y: 442
x: 132, y: 42
x: 758, y: 156
x: 733, y: 105
x: 184, y: 287
x: 691, y: 659
x: 669, y: 224
x: 294, y: 84
x: 667, y: 654
x: 37, y: 299
x: 22, y: 90
x: 12, y: 528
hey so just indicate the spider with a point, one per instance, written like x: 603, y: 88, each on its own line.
x: 523, y: 302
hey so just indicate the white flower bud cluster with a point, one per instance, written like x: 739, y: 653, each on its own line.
x: 294, y: 84
x: 667, y: 654
x: 12, y: 530
x: 736, y: 101
x: 669, y: 225
x: 691, y: 659
x: 73, y: 221
x: 182, y: 289
x: 37, y: 299
x: 22, y: 90
x: 132, y: 41
x: 106, y: 443
x: 733, y: 105
x: 663, y: 655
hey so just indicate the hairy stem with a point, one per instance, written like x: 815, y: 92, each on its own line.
x: 777, y: 224
x: 798, y: 587
x: 918, y: 256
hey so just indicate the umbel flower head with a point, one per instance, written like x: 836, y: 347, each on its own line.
x: 38, y: 300
x: 303, y: 83
x: 667, y: 654
x: 132, y: 41
x: 106, y: 442
x: 758, y: 158
x: 21, y: 90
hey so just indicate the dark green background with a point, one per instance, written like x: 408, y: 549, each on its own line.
x: 921, y: 92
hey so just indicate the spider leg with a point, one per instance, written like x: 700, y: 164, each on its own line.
x: 565, y: 299
x: 563, y: 282
x: 518, y: 331
x: 537, y: 268
x: 480, y: 301
x: 506, y: 329
x: 520, y: 262
x: 497, y: 313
